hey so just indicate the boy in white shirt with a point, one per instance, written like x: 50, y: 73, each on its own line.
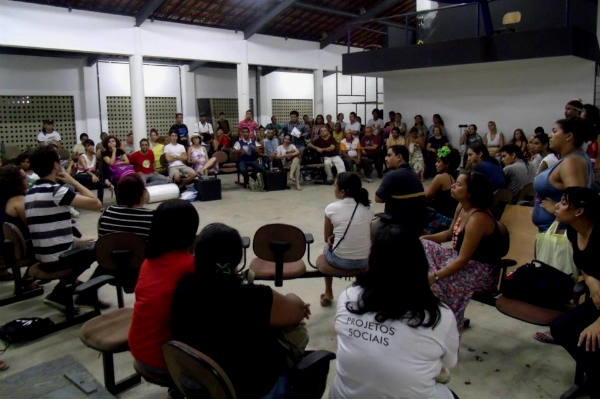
x: 176, y: 155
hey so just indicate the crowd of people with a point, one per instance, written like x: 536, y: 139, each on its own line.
x: 410, y: 289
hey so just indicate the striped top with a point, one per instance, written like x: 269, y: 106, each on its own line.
x: 122, y: 219
x: 49, y: 220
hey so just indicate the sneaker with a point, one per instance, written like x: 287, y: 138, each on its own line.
x: 251, y: 184
x: 58, y: 300
x: 260, y: 183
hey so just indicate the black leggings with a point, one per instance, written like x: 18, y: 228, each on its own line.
x: 566, y: 330
x: 86, y: 180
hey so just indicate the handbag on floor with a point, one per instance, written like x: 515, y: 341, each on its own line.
x: 24, y: 329
x: 539, y: 284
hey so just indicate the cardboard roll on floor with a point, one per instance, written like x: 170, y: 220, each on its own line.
x: 160, y: 193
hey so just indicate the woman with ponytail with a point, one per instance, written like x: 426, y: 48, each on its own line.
x: 347, y: 229
x: 235, y: 323
x: 578, y: 331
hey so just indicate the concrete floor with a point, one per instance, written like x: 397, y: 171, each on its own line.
x: 498, y: 357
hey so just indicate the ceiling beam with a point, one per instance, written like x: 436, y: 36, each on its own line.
x: 149, y: 8
x: 325, y: 10
x: 371, y: 13
x: 194, y: 65
x: 91, y: 60
x: 268, y: 17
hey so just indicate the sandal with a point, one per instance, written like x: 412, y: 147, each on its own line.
x: 325, y: 300
x: 544, y: 337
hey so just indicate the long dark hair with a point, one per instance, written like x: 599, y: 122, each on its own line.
x: 174, y: 228
x: 582, y: 131
x: 480, y: 190
x: 513, y: 149
x: 451, y: 160
x: 218, y: 253
x: 400, y: 291
x: 108, y: 138
x: 352, y: 186
x: 12, y: 183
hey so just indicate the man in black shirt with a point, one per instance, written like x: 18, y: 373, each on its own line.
x: 402, y: 192
x: 181, y: 129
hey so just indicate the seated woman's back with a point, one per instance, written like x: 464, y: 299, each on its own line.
x: 230, y: 322
x: 391, y: 359
x: 394, y: 336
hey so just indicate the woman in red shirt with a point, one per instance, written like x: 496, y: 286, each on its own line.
x: 168, y: 259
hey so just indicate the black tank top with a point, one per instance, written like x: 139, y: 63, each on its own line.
x: 490, y: 246
x: 444, y: 203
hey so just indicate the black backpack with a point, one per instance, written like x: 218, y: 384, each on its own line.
x: 24, y: 329
x: 311, y: 156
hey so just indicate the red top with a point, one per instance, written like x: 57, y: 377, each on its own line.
x: 142, y: 163
x: 224, y: 141
x: 151, y: 323
x: 373, y: 140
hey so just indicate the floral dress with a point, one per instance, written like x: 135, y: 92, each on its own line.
x: 457, y: 290
x: 415, y: 159
x: 199, y: 157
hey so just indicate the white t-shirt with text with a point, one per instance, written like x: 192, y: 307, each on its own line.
x: 391, y: 359
x: 357, y: 242
x: 175, y: 150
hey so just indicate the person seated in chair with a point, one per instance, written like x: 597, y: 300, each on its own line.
x: 168, y: 258
x: 479, y: 159
x: 289, y: 156
x: 578, y: 330
x: 394, y: 335
x: 49, y: 221
x: 176, y: 156
x: 371, y: 153
x: 350, y: 150
x: 457, y: 273
x: 347, y: 226
x: 402, y: 192
x: 326, y: 145
x: 269, y: 148
x: 89, y: 173
x: 143, y: 164
x: 199, y: 159
x: 441, y: 205
x: 248, y: 156
x: 112, y: 156
x: 516, y: 171
x: 256, y: 365
x: 129, y: 214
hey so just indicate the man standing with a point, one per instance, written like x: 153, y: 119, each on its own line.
x: 402, y: 192
x: 181, y: 129
x: 223, y: 124
x: 204, y: 127
x: 376, y: 123
x: 297, y: 130
x: 353, y: 126
x: 327, y: 147
x: 143, y: 164
x: 340, y: 119
x: 371, y: 151
x: 248, y: 156
x: 273, y: 125
x: 176, y: 156
x: 248, y: 123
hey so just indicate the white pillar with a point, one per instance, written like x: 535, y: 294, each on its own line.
x: 318, y: 92
x: 91, y: 103
x: 138, y: 100
x: 188, y: 98
x: 243, y: 90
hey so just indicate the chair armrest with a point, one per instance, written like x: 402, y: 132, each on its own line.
x: 309, y: 238
x: 313, y: 358
x: 94, y: 283
x: 505, y: 263
x: 245, y: 242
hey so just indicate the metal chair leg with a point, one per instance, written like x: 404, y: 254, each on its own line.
x: 109, y: 376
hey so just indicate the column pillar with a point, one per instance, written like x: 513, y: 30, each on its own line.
x: 318, y: 91
x: 138, y: 100
x: 243, y: 90
x: 188, y: 98
x: 91, y: 102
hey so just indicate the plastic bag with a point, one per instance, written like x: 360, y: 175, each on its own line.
x: 555, y: 250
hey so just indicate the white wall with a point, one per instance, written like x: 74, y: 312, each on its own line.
x: 516, y: 94
x: 283, y: 85
x: 44, y: 76
x: 159, y: 80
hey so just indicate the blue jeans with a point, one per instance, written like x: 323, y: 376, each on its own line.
x: 281, y: 387
x: 343, y: 264
x: 243, y: 166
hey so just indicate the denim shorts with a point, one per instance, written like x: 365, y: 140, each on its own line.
x: 343, y: 264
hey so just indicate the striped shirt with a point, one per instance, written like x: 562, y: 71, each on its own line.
x: 122, y: 219
x: 49, y: 220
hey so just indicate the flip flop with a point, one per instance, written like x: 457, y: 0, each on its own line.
x: 325, y: 301
x: 544, y: 337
